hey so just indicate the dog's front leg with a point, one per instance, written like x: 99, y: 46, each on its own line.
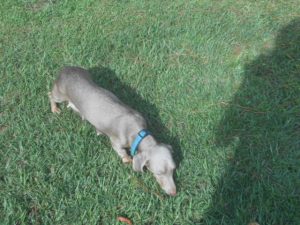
x: 121, y: 151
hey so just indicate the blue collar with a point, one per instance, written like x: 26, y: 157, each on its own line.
x: 141, y: 135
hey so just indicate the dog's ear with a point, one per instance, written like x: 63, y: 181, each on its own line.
x: 138, y: 162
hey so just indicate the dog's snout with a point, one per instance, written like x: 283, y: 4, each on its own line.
x: 167, y: 184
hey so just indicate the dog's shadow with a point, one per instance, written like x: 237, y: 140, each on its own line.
x: 107, y: 78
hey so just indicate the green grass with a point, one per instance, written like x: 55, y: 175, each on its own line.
x: 218, y: 80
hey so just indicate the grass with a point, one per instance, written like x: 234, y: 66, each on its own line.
x: 218, y: 80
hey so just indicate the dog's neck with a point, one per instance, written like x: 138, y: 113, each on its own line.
x: 147, y: 143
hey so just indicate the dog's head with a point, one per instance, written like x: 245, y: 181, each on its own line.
x: 159, y: 161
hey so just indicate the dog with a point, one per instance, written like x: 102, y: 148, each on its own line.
x: 125, y: 127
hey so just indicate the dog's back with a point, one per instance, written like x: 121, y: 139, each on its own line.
x: 97, y: 105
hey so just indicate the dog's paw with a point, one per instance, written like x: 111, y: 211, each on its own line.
x: 126, y: 159
x: 55, y: 109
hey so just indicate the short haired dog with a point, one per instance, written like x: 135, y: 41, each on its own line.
x: 125, y: 127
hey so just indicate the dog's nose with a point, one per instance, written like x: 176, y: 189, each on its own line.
x: 173, y: 193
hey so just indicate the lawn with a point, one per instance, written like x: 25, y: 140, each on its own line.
x: 218, y: 80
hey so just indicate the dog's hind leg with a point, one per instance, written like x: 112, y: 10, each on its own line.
x: 55, y: 97
x: 99, y: 132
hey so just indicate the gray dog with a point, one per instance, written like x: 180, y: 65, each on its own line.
x: 125, y: 127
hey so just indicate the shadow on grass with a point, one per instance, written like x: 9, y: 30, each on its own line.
x: 262, y: 121
x: 108, y: 79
